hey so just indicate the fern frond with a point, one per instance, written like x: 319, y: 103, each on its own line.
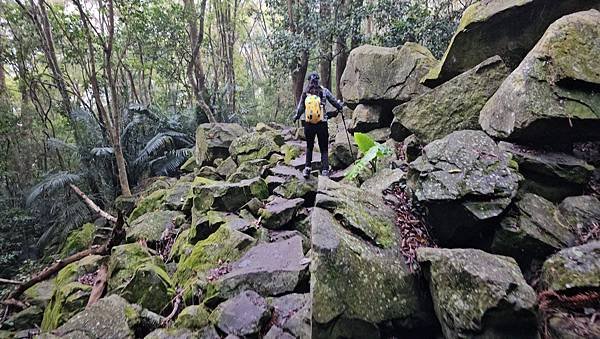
x: 51, y: 183
x: 160, y: 142
x: 57, y: 144
x: 364, y: 142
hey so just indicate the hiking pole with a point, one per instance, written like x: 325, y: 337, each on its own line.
x: 347, y: 136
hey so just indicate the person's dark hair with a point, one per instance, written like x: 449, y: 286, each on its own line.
x: 313, y: 86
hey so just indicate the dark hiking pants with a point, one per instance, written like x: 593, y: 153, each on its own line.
x: 320, y: 131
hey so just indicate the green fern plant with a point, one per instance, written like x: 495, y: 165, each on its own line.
x: 371, y: 151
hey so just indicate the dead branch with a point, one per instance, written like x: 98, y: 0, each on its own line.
x: 9, y: 282
x: 176, y: 304
x: 91, y: 205
x: 11, y: 302
x: 99, y: 285
x: 117, y: 236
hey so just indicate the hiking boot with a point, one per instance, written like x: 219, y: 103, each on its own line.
x: 306, y: 172
x: 325, y: 173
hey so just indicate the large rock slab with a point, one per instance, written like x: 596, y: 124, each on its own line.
x: 243, y: 315
x: 581, y: 212
x: 216, y: 139
x: 270, y: 269
x: 533, y: 229
x: 455, y: 105
x: 552, y: 97
x: 385, y: 74
x: 225, y: 196
x: 139, y: 277
x: 465, y: 181
x: 109, y: 317
x: 357, y: 271
x: 575, y: 268
x: 553, y: 175
x: 502, y: 27
x: 479, y: 295
x: 374, y: 286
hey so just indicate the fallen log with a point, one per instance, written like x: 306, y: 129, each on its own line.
x: 91, y: 205
x: 99, y: 285
x: 9, y: 282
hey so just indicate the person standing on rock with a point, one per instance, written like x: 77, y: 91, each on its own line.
x: 311, y: 111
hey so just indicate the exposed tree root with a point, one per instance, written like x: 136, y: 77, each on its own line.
x: 99, y: 285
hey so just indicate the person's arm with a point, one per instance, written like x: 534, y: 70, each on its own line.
x: 339, y: 104
x: 301, y: 107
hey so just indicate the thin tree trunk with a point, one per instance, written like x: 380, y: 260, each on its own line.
x: 326, y: 44
x: 340, y: 64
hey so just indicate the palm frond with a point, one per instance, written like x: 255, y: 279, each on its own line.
x: 160, y: 142
x: 102, y: 151
x: 51, y: 183
x: 167, y: 164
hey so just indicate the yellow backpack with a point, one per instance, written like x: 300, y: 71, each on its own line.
x: 313, y: 109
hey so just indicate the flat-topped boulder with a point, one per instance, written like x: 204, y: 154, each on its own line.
x: 151, y: 226
x: 455, y: 105
x: 270, y: 269
x: 375, y: 73
x: 552, y: 96
x: 278, y: 212
x: 254, y: 146
x: 503, y: 28
x: 477, y: 294
x: 243, y: 315
x: 465, y: 180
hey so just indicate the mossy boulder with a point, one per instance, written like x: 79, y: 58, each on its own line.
x: 193, y: 317
x: 293, y: 313
x: 455, y: 105
x: 551, y: 174
x: 29, y: 317
x: 189, y: 165
x: 278, y: 212
x: 397, y: 72
x: 109, y: 317
x: 503, y: 28
x: 203, y: 225
x: 354, y: 280
x: 248, y: 170
x: 477, y: 294
x: 291, y: 151
x: 149, y: 203
x: 218, y: 137
x: 227, y: 167
x: 359, y: 211
x: 270, y: 269
x: 580, y: 212
x: 551, y: 98
x: 224, y: 245
x: 40, y: 293
x: 179, y: 197
x: 151, y: 226
x: 465, y: 181
x: 225, y: 196
x: 78, y: 240
x: 575, y: 268
x: 139, y: 277
x: 254, y: 146
x: 533, y: 229
x: 296, y: 187
x: 70, y: 295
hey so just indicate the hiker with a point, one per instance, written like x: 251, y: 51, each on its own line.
x: 311, y: 110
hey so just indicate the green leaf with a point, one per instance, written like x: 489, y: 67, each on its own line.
x: 364, y: 142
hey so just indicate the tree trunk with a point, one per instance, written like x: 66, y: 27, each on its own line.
x: 326, y: 44
x: 340, y: 64
x: 298, y: 75
x: 195, y: 70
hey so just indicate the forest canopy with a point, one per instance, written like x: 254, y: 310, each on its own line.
x: 107, y: 93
